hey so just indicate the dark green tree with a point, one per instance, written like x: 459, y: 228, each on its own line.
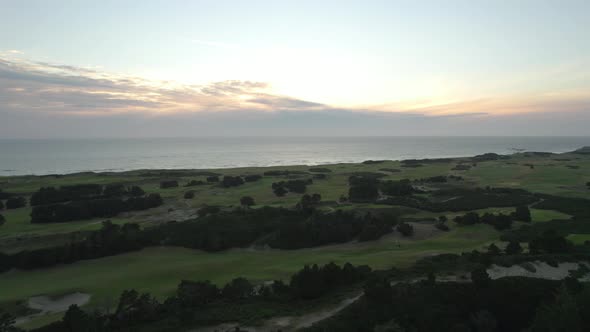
x: 247, y: 201
x: 561, y: 315
x: 522, y: 213
x: 480, y: 277
x: 513, y: 248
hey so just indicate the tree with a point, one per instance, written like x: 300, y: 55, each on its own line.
x: 114, y: 190
x: 76, y: 320
x: 239, y: 288
x: 2, y: 220
x: 397, y: 188
x: 308, y: 202
x: 502, y: 221
x: 469, y: 218
x: 7, y: 322
x: 232, y: 181
x: 480, y: 277
x: 561, y: 315
x: 16, y: 202
x: 136, y: 191
x: 442, y: 219
x: 390, y: 326
x: 484, y: 321
x: 196, y: 293
x: 549, y: 242
x: 247, y: 201
x: 405, y: 228
x: 363, y: 192
x: 1, y: 205
x: 493, y: 249
x: 213, y: 178
x: 513, y: 248
x: 522, y: 213
x: 168, y: 184
x: 279, y: 191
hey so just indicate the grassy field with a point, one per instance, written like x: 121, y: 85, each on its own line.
x: 159, y: 270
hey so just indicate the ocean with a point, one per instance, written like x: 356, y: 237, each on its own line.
x: 62, y: 156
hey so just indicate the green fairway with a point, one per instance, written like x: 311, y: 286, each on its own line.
x: 159, y: 269
x: 579, y: 238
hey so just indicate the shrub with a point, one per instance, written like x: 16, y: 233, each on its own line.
x: 397, y: 188
x: 443, y: 227
x: 136, y: 191
x: 513, y: 248
x: 16, y: 202
x: 320, y: 170
x: 114, y: 190
x: 193, y: 183
x: 208, y: 209
x: 168, y: 184
x: 252, y: 177
x: 189, y: 194
x: 232, y: 181
x: 2, y: 220
x: 405, y: 228
x: 247, y: 201
x: 213, y: 178
x: 522, y: 213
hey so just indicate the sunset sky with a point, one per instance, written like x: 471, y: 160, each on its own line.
x: 190, y: 68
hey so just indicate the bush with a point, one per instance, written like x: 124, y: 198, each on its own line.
x: 97, y: 208
x: 136, y: 191
x: 208, y: 209
x: 16, y: 202
x: 1, y: 205
x: 2, y: 220
x: 114, y: 190
x: 443, y: 227
x: 320, y: 170
x: 247, y: 201
x: 405, y: 228
x: 213, y: 178
x: 522, y: 213
x: 470, y: 218
x: 513, y: 248
x: 296, y: 186
x: 189, y: 194
x: 168, y: 184
x: 252, y: 178
x: 232, y: 181
x: 193, y: 183
x: 397, y: 188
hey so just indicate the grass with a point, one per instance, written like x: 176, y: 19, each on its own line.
x: 159, y: 269
x: 579, y: 238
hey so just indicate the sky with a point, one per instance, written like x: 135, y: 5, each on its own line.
x: 338, y: 68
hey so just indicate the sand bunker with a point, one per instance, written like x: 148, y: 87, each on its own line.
x: 538, y: 269
x: 48, y: 305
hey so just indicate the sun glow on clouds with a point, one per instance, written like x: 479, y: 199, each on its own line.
x: 321, y: 83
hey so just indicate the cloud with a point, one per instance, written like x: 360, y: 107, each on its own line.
x: 27, y: 86
x: 40, y: 99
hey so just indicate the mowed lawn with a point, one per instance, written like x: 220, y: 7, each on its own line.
x: 158, y: 270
